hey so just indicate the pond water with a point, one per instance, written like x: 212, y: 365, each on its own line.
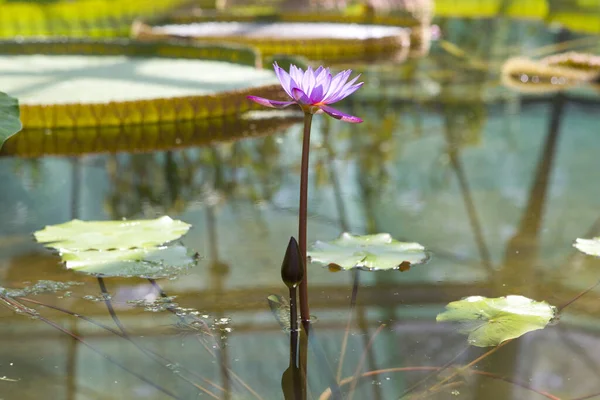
x: 495, y: 184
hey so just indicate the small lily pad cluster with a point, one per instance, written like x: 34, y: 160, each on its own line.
x: 120, y: 248
x: 486, y: 321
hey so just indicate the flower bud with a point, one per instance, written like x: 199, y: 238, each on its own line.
x: 292, y: 267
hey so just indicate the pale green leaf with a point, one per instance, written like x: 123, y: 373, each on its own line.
x: 79, y: 235
x: 9, y: 117
x: 491, y: 321
x: 371, y: 252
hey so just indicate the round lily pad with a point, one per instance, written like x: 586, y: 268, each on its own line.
x: 79, y: 235
x: 86, y: 79
x: 370, y: 252
x: 491, y: 321
x: 86, y: 83
x: 314, y: 40
x: 120, y: 248
x: 282, y: 30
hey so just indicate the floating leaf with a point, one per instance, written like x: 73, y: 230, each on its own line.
x: 9, y: 117
x: 371, y: 252
x: 153, y: 263
x: 489, y: 322
x: 79, y: 235
x: 120, y: 248
x: 588, y: 246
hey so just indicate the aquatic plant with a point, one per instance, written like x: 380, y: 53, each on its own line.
x: 490, y: 322
x: 313, y: 91
x: 120, y: 248
x: 9, y: 117
x: 370, y: 252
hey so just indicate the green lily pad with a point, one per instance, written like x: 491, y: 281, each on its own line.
x: 160, y: 262
x: 79, y: 235
x: 370, y: 252
x: 9, y: 117
x: 489, y: 322
x: 588, y: 246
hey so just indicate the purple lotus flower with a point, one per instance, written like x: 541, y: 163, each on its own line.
x: 314, y: 90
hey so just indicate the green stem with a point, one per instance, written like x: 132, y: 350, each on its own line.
x: 302, y: 215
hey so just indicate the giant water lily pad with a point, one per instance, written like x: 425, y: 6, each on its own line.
x: 491, y: 321
x: 145, y: 263
x: 77, y: 79
x: 314, y: 40
x: 9, y: 117
x: 79, y: 235
x: 371, y: 252
x: 588, y: 246
x: 88, y: 83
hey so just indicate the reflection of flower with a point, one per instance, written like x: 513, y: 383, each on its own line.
x: 314, y: 90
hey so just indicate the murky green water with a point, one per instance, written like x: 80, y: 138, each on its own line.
x: 497, y: 186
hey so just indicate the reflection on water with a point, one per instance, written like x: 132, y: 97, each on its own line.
x: 496, y: 185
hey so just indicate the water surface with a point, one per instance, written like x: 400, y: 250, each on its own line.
x: 496, y: 185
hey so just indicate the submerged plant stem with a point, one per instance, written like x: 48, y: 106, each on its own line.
x: 577, y: 297
x: 25, y: 310
x: 162, y: 294
x: 156, y: 286
x: 355, y: 285
x: 107, y: 357
x: 159, y: 359
x: 443, y: 368
x: 208, y: 349
x: 302, y: 216
x: 469, y: 365
x: 327, y: 393
x: 233, y: 374
x: 110, y: 308
x: 362, y: 361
